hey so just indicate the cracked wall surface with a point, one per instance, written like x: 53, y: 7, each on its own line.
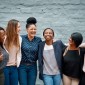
x: 64, y: 16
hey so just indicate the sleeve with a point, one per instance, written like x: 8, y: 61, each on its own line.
x: 83, y: 59
x: 19, y: 52
x: 40, y: 40
x: 39, y: 59
x: 40, y: 67
x: 63, y: 45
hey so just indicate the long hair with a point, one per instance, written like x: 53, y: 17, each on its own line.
x: 11, y: 32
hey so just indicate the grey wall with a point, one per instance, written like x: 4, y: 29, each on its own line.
x: 64, y: 16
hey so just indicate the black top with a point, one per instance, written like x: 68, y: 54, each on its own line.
x: 72, y: 64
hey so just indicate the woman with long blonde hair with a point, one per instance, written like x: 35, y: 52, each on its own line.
x: 12, y: 43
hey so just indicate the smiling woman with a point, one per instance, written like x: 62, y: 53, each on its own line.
x: 49, y: 57
x: 12, y: 44
x: 29, y: 48
x: 72, y: 58
x: 3, y: 55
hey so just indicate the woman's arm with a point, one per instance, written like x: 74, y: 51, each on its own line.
x: 82, y: 45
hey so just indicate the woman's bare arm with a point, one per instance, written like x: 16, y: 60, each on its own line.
x: 82, y: 45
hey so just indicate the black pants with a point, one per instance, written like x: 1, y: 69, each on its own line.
x: 1, y: 78
x: 82, y: 79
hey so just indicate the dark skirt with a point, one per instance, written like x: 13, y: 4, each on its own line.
x: 1, y: 77
x: 82, y: 79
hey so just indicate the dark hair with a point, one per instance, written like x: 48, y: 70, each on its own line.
x: 50, y: 29
x: 31, y: 20
x: 2, y: 29
x: 77, y: 38
x: 1, y: 44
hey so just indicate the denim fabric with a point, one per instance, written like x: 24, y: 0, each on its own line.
x: 52, y: 79
x: 29, y: 49
x: 27, y: 74
x: 11, y: 75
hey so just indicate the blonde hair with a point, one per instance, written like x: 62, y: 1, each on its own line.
x: 11, y: 32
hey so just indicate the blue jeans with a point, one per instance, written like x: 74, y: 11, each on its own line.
x: 27, y: 74
x: 52, y: 79
x: 11, y: 75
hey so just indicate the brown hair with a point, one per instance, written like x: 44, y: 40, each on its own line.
x: 11, y: 32
x: 1, y: 43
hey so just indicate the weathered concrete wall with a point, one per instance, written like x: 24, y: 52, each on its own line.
x: 64, y: 16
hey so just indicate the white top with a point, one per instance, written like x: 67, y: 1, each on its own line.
x: 15, y: 55
x: 50, y: 64
x: 84, y: 64
x: 19, y: 55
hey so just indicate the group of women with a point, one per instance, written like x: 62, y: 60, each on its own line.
x: 56, y: 61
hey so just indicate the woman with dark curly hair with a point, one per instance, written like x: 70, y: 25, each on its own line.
x: 29, y: 49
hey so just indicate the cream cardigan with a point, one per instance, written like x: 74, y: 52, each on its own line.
x: 19, y: 52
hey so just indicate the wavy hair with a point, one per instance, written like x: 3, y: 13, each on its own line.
x: 11, y: 32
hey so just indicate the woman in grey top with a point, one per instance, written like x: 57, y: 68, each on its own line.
x: 3, y: 55
x: 49, y: 57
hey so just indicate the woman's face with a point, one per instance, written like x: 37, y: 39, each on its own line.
x: 71, y: 42
x: 2, y: 35
x: 48, y: 34
x: 18, y: 28
x: 31, y: 30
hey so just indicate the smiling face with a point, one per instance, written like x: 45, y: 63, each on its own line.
x: 71, y: 42
x: 76, y: 39
x: 48, y: 34
x: 31, y: 30
x: 18, y: 28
